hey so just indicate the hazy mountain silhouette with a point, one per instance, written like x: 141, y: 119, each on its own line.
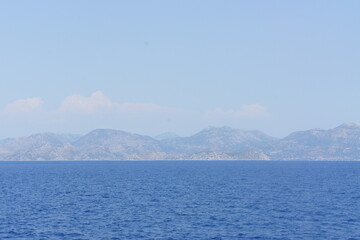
x: 223, y: 143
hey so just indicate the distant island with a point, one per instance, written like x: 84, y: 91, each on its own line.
x: 341, y: 144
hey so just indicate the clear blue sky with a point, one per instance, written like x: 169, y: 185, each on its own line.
x: 158, y: 66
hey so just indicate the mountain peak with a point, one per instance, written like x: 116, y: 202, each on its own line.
x: 223, y: 128
x: 349, y: 125
x: 105, y: 132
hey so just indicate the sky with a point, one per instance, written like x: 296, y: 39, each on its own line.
x: 178, y: 66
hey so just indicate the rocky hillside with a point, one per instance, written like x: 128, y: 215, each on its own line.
x: 113, y: 145
x: 224, y: 139
x: 225, y: 143
x: 340, y: 143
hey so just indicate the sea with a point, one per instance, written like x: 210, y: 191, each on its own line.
x: 180, y: 200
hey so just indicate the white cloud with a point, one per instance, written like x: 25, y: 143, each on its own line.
x: 80, y: 104
x: 73, y: 115
x: 98, y: 102
x: 24, y: 106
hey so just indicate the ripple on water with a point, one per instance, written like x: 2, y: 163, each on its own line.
x: 179, y: 200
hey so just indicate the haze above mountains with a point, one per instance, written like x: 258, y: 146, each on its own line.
x: 224, y: 143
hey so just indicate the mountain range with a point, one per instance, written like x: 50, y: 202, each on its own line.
x: 223, y: 143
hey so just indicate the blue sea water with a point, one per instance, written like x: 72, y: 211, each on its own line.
x: 180, y: 200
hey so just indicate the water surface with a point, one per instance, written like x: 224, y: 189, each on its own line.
x: 180, y: 200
